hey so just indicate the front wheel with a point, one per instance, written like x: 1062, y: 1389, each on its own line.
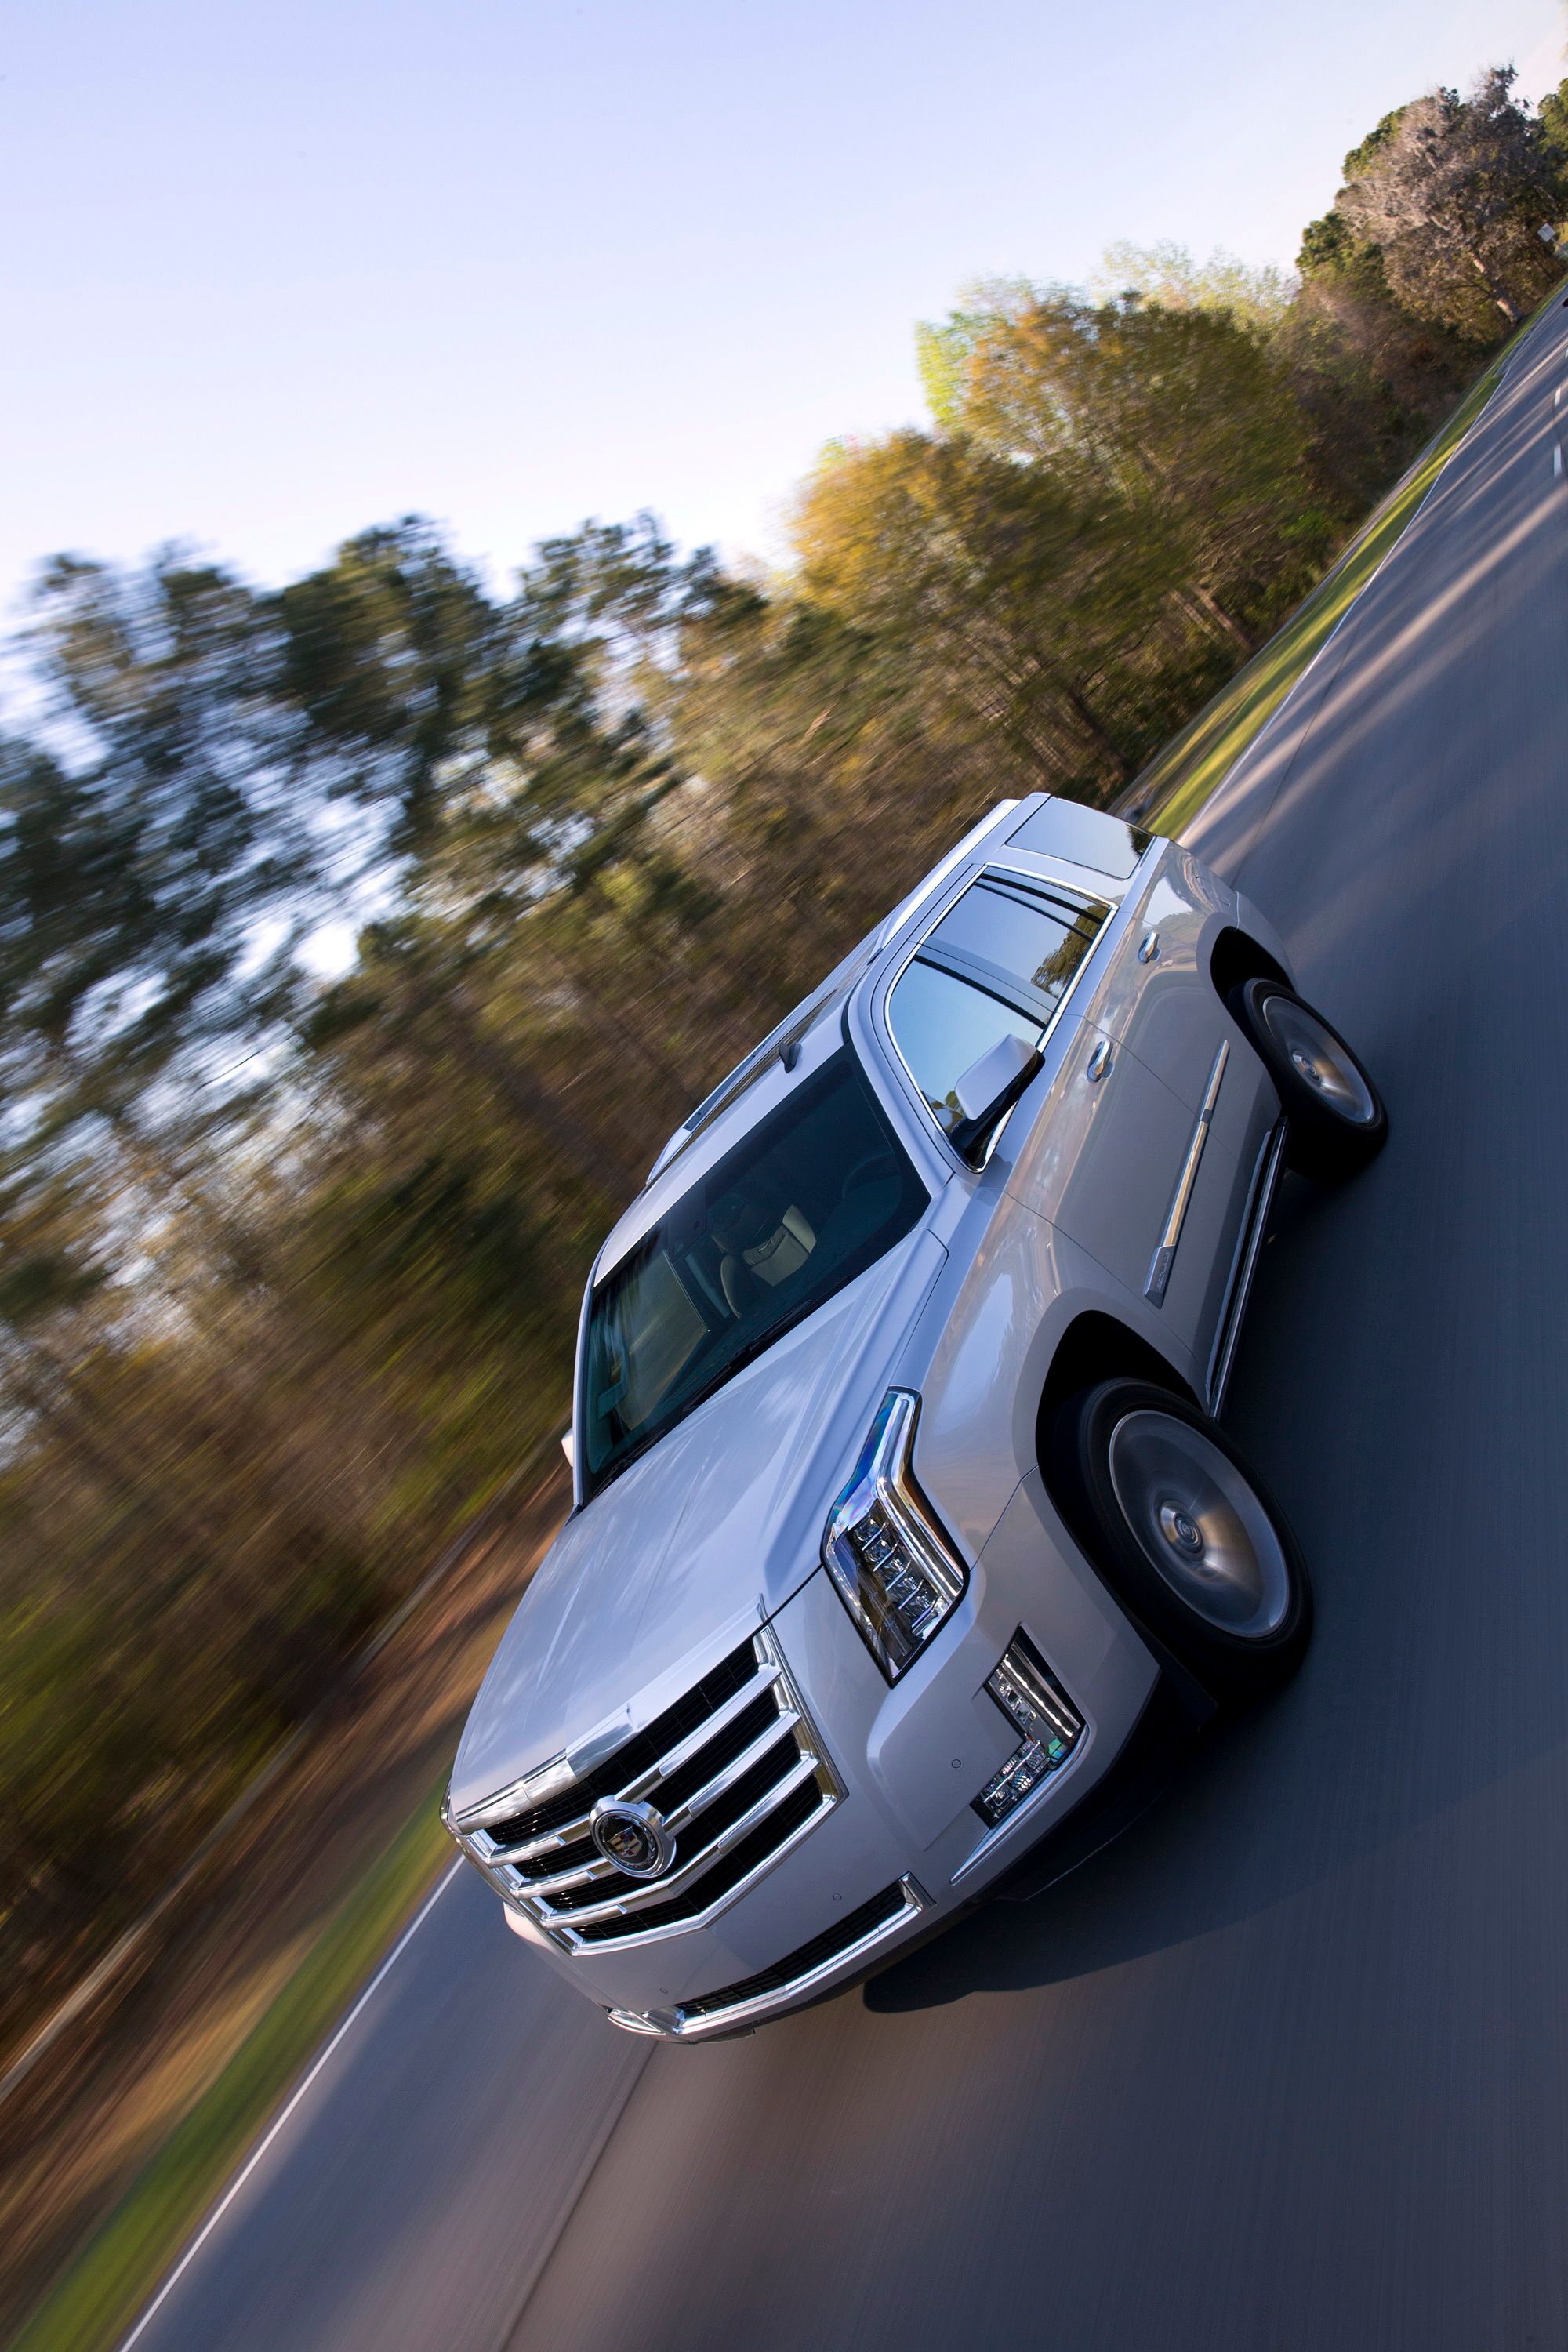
x: 1187, y: 1537
x: 1336, y: 1121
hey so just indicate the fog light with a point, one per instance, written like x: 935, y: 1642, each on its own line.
x: 1030, y: 1695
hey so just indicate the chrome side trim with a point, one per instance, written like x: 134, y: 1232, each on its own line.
x: 1164, y: 1256
x: 674, y: 2025
x: 1254, y: 1225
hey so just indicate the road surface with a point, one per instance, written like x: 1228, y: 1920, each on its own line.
x: 1288, y: 2067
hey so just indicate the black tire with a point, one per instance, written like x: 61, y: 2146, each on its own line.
x: 1337, y: 1121
x: 1187, y: 1537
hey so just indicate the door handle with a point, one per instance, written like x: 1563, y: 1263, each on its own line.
x: 1099, y: 1063
x: 1148, y: 946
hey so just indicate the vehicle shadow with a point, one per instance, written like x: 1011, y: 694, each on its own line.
x: 1137, y: 1894
x: 1435, y: 1596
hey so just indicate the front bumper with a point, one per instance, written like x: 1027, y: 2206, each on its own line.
x: 901, y: 1846
x: 833, y: 1957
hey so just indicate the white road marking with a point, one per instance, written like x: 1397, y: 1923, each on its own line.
x: 1557, y: 397
x: 1557, y: 459
x: 216, y: 2216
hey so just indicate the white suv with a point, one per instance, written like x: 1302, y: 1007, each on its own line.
x: 902, y: 1521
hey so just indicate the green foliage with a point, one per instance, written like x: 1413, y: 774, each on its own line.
x: 1181, y: 419
x: 383, y: 656
x: 1332, y: 252
x: 1553, y: 113
x: 1166, y: 274
x: 1367, y: 150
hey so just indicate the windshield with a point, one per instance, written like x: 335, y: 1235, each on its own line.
x: 810, y: 1197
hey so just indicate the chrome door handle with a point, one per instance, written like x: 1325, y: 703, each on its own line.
x: 1148, y: 946
x: 1099, y: 1062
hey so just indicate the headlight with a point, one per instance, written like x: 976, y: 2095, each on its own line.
x: 896, y: 1570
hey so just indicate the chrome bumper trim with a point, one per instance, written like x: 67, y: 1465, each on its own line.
x: 678, y: 2025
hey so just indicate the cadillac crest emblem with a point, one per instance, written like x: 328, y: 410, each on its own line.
x: 633, y: 1837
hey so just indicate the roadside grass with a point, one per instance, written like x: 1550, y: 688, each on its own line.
x: 99, y: 2298
x: 1192, y: 765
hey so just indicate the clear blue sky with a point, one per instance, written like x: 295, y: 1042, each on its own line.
x: 280, y: 271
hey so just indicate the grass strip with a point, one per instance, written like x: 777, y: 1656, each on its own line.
x: 1178, y: 782
x: 100, y: 2296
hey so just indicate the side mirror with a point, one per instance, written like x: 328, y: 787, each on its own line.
x: 989, y: 1088
x: 569, y: 1450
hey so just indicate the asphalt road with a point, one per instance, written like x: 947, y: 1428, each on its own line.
x: 1288, y: 2067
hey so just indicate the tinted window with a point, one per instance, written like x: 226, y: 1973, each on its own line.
x: 809, y: 1199
x: 1084, y: 836
x: 1018, y: 935
x: 941, y: 1025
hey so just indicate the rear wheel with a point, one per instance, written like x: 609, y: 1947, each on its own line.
x: 1336, y: 1118
x: 1187, y: 1537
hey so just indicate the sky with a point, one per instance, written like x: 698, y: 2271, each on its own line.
x: 279, y: 271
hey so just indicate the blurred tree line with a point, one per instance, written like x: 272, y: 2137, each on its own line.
x: 360, y: 941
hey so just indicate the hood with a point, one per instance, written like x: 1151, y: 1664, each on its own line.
x: 709, y: 1533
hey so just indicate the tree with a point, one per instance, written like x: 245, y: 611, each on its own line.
x: 1165, y: 273
x: 1332, y: 255
x: 156, y: 870
x: 1182, y: 415
x: 1552, y: 114
x: 1022, y: 591
x: 1452, y: 195
x: 386, y: 655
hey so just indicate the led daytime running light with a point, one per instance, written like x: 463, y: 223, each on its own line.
x: 896, y: 1570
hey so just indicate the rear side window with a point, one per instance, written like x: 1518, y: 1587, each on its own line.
x: 998, y: 964
x: 1016, y: 936
x: 1084, y: 836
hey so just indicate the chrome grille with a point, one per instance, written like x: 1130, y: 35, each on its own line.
x: 738, y: 1774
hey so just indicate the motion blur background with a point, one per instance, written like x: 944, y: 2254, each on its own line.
x: 376, y: 892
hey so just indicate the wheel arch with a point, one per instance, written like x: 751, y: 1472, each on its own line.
x: 1236, y: 956
x: 1097, y: 1346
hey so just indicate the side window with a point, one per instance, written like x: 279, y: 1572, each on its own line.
x: 999, y: 931
x: 941, y: 1025
x: 998, y: 964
